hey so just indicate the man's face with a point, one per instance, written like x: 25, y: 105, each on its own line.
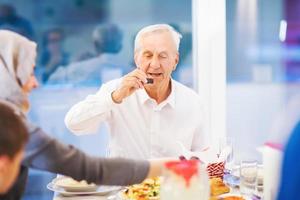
x: 9, y: 169
x: 157, y: 56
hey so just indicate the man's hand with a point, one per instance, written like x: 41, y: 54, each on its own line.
x: 130, y: 83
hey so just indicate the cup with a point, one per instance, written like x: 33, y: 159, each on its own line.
x: 248, y: 176
x: 260, y: 179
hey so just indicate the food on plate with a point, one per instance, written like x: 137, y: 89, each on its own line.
x: 147, y: 190
x: 69, y: 182
x: 217, y: 187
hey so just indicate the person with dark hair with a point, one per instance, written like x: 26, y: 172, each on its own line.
x: 17, y: 61
x: 10, y: 20
x: 101, y: 66
x: 53, y: 54
x: 13, y: 138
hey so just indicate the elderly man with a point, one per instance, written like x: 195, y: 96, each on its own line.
x: 149, y: 113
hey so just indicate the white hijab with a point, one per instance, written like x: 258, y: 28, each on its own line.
x: 17, y: 58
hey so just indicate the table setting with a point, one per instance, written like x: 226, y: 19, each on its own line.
x: 211, y: 176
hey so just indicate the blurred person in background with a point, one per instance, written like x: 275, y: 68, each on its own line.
x: 96, y: 67
x: 13, y: 138
x: 53, y: 53
x: 107, y: 39
x: 43, y: 152
x: 10, y: 20
x: 146, y: 120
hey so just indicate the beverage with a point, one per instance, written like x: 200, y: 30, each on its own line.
x: 248, y: 175
x: 185, y: 179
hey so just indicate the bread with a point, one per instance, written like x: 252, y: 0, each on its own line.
x: 217, y: 187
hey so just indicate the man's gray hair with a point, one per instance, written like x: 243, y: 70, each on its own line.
x: 156, y: 28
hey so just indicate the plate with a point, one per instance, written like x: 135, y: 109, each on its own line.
x: 71, y: 185
x: 223, y: 196
x: 231, y: 180
x: 101, y: 190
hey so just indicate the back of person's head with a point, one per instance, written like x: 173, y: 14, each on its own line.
x: 13, y: 137
x: 107, y: 38
x: 157, y: 28
x: 7, y: 11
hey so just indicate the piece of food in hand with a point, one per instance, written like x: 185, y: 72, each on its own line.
x: 150, y: 81
x: 217, y: 187
x: 147, y: 190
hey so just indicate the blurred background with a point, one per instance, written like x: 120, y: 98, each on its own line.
x: 84, y: 43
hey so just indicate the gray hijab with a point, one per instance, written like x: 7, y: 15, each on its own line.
x: 17, y: 58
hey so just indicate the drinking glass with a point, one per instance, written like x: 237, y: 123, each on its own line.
x: 248, y: 176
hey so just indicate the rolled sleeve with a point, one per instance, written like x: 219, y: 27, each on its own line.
x: 86, y: 116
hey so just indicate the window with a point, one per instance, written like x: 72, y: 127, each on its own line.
x: 71, y: 37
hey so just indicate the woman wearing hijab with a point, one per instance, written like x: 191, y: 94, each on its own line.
x: 17, y: 61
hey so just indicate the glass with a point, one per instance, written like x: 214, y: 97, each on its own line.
x: 260, y: 180
x: 185, y: 179
x: 248, y: 176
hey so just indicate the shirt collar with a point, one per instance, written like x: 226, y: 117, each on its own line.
x: 144, y: 97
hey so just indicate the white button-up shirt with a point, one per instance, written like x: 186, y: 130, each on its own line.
x: 141, y: 128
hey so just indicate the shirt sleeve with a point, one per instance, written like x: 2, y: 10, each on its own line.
x: 86, y: 116
x: 45, y: 153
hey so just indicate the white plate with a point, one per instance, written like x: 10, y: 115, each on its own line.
x: 232, y: 195
x: 101, y: 190
x: 71, y: 185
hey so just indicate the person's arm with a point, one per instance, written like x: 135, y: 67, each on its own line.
x: 157, y: 165
x: 86, y: 116
x: 45, y: 153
